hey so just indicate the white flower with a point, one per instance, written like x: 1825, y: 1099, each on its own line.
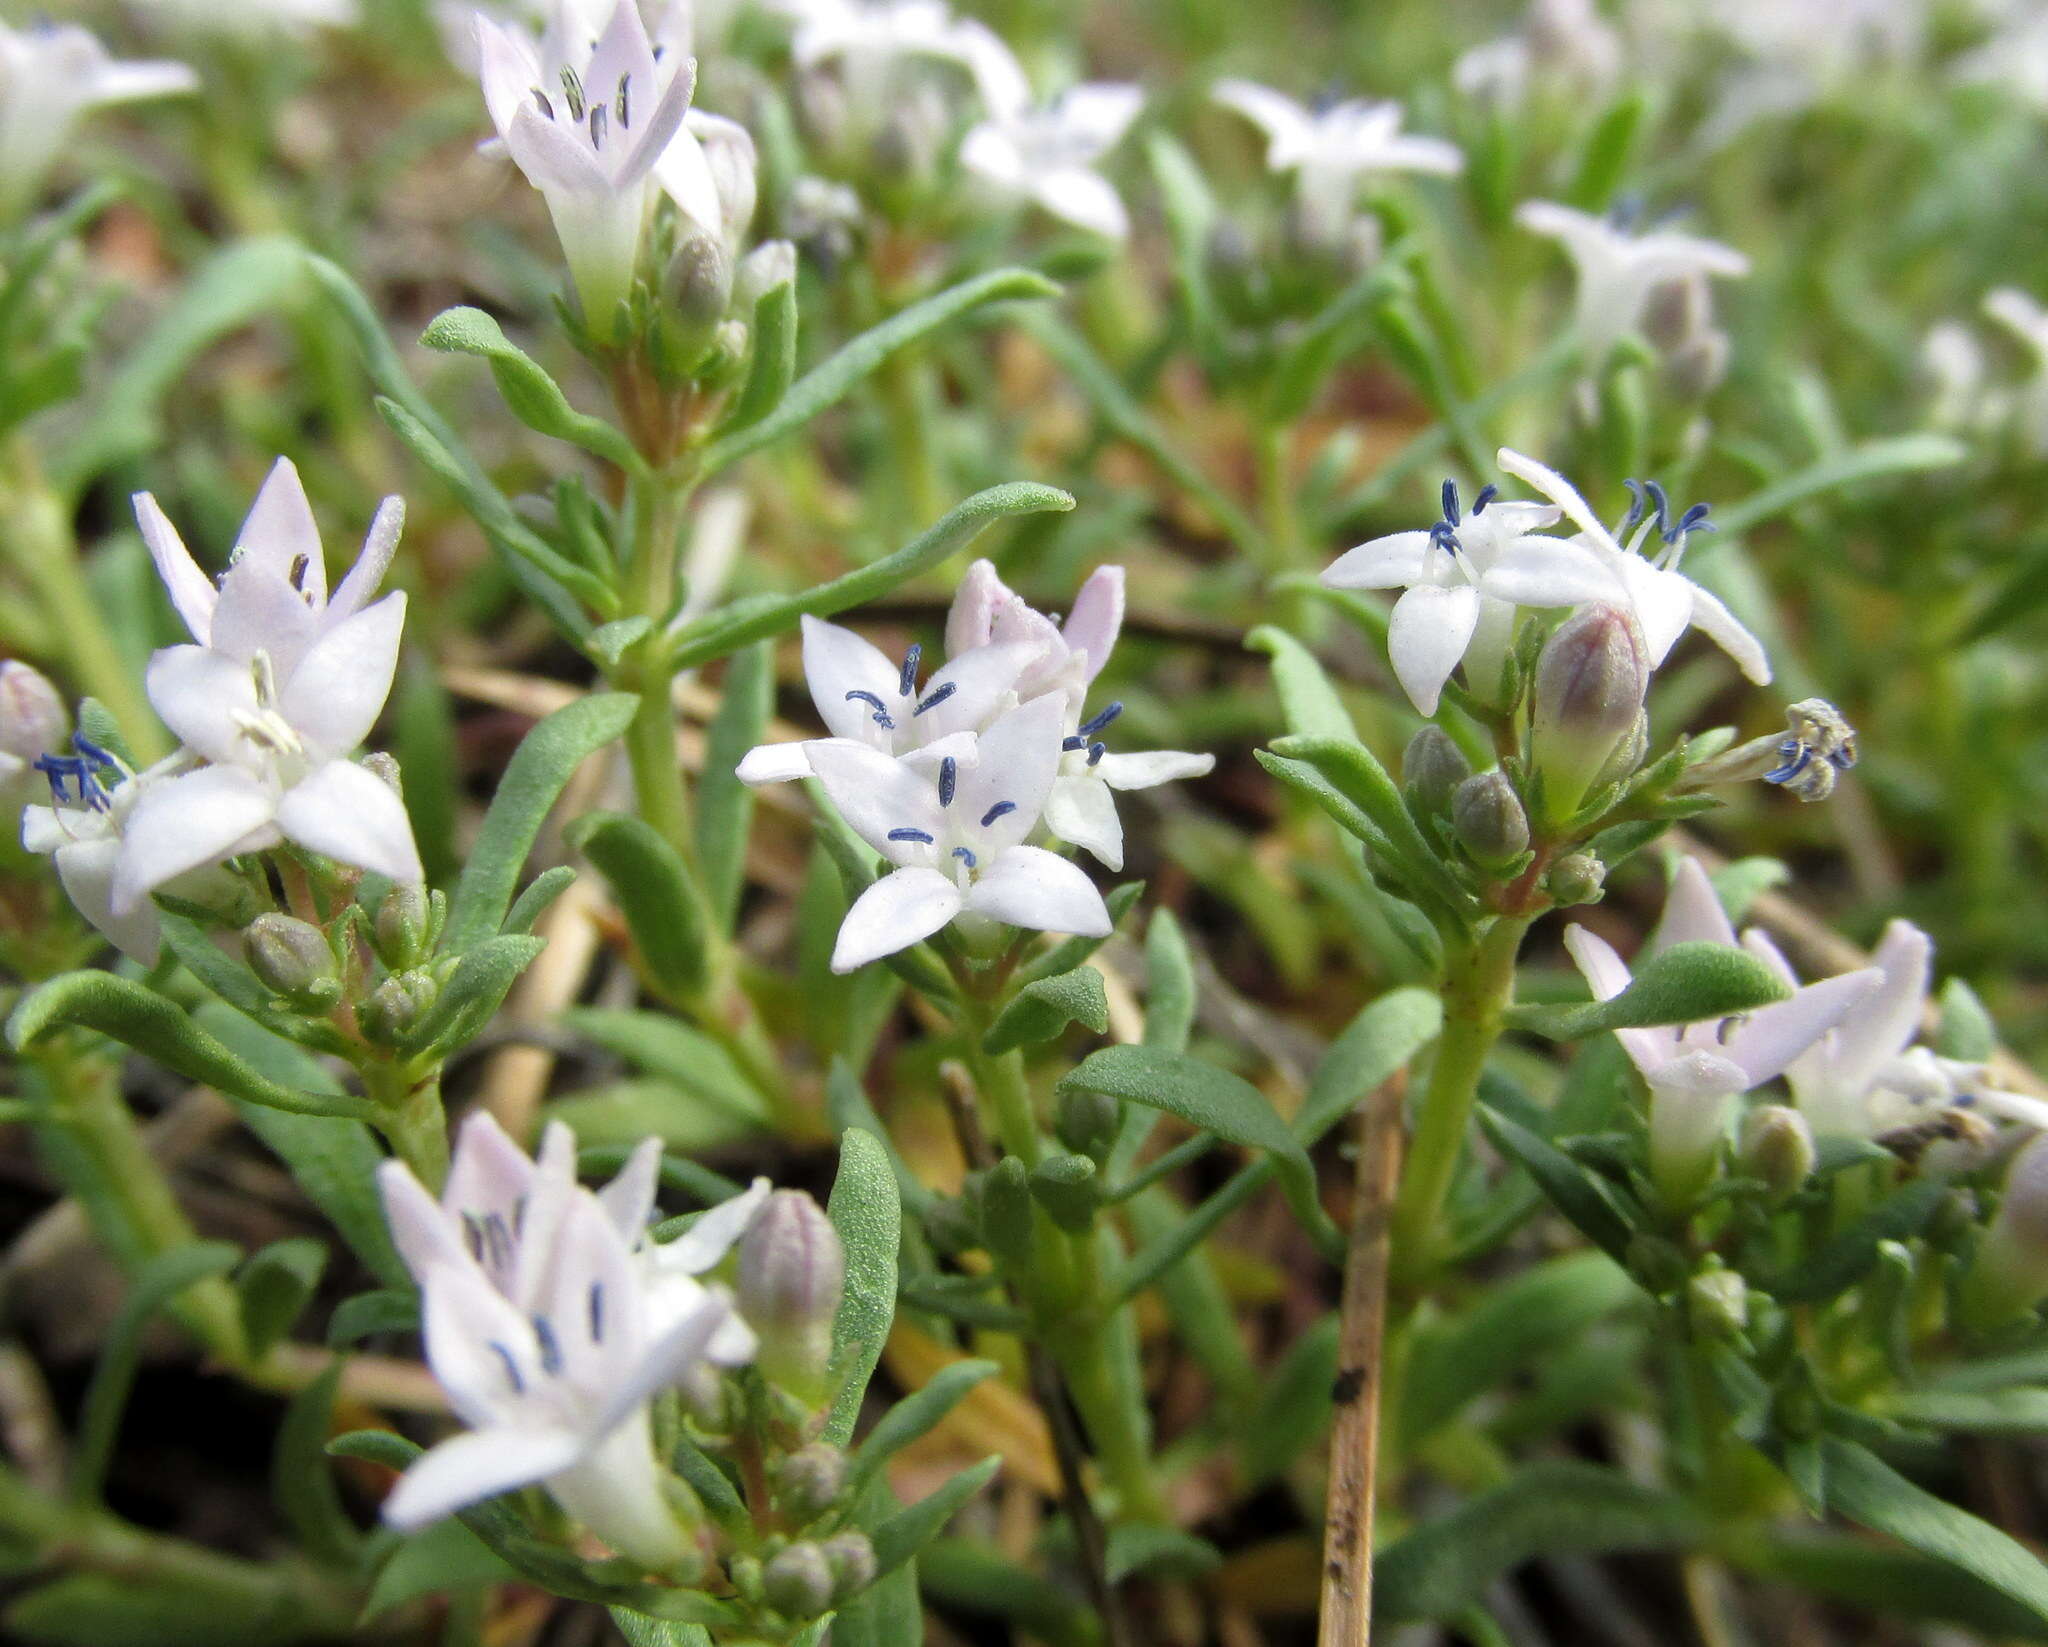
x: 957, y: 838
x: 1464, y: 578
x: 1562, y: 45
x: 2016, y: 57
x: 1954, y: 371
x: 1665, y: 601
x: 596, y: 124
x: 83, y: 841
x: 1048, y: 154
x: 863, y: 697
x: 868, y: 39
x: 51, y: 74
x: 1694, y: 1069
x: 1619, y: 271
x: 1330, y: 149
x: 283, y: 683
x: 554, y: 1376
x: 2028, y: 321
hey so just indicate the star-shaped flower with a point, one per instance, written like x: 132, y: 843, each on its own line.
x: 1048, y: 154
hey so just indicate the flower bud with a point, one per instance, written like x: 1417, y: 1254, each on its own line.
x: 385, y: 768
x: 1677, y: 311
x: 1688, y: 1120
x: 1591, y: 679
x: 808, y: 1482
x: 1432, y: 767
x: 792, y: 1272
x: 395, y: 1006
x: 1487, y: 815
x: 1695, y: 369
x: 798, y: 1582
x: 1717, y: 1303
x: 1006, y: 1219
x: 2010, y: 1273
x: 1089, y: 1121
x: 1576, y: 878
x: 400, y: 926
x: 953, y: 1223
x: 768, y: 265
x: 33, y: 719
x: 1777, y: 1149
x: 697, y: 284
x: 294, y: 960
x: 852, y: 1560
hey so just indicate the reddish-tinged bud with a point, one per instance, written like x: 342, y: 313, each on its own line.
x: 1591, y: 680
x: 33, y: 720
x: 1490, y: 822
x: 792, y: 1272
x: 293, y: 959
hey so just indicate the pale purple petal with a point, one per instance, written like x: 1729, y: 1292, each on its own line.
x: 181, y: 823
x: 466, y: 1469
x: 628, y: 1200
x: 379, y: 545
x: 706, y: 1242
x: 347, y: 813
x: 1693, y: 913
x: 1097, y: 617
x: 191, y: 590
x: 1768, y: 1039
x: 280, y: 532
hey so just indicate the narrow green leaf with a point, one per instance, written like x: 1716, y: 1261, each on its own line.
x: 916, y: 1414
x: 533, y: 903
x: 473, y: 993
x: 1688, y: 983
x: 275, y: 1285
x: 1353, y: 771
x: 908, y: 1531
x: 1376, y: 1045
x: 1169, y: 984
x: 867, y: 1213
x: 1573, y: 1190
x: 1294, y: 1406
x: 301, y: 1484
x: 1852, y: 1254
x: 1044, y: 1007
x: 1307, y: 699
x: 661, y: 1044
x: 389, y: 1309
x: 531, y: 395
x: 652, y: 889
x: 1165, y: 1552
x: 1895, y: 455
x: 772, y: 369
x: 1885, y: 1582
x: 444, y: 1559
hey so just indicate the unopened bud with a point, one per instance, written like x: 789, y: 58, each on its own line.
x: 1717, y: 1303
x: 808, y: 1482
x: 1006, y: 1227
x: 1489, y: 820
x: 768, y: 265
x: 2010, y: 1273
x: 697, y: 284
x: 395, y: 1006
x: 792, y: 1273
x: 1677, y: 311
x: 1777, y: 1150
x: 1696, y: 368
x: 1067, y: 1186
x: 1432, y: 767
x: 1089, y: 1121
x: 33, y: 719
x: 953, y: 1224
x: 1591, y: 679
x: 400, y: 926
x: 852, y: 1560
x: 1576, y: 878
x: 798, y: 1581
x: 294, y: 960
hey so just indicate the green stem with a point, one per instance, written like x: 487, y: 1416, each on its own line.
x: 1479, y: 986
x: 1001, y: 1083
x: 906, y: 394
x: 1112, y: 1406
x: 412, y: 1118
x: 1277, y: 510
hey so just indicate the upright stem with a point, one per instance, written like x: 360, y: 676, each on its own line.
x: 1479, y: 986
x: 1276, y: 498
x: 411, y: 1116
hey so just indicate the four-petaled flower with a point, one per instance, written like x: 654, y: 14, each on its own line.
x: 957, y: 837
x: 1048, y: 154
x: 281, y: 684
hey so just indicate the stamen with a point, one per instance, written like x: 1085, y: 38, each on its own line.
x: 1075, y: 742
x: 597, y: 1312
x: 1002, y: 809
x: 1451, y: 501
x: 881, y: 710
x: 623, y: 103
x: 1441, y: 536
x: 597, y: 125
x: 1487, y: 494
x: 937, y: 698
x: 1636, y: 506
x: 1096, y: 751
x: 572, y: 92
x: 965, y: 856
x: 949, y: 775
x: 550, y: 1346
x: 498, y: 1241
x: 1663, y: 503
x: 473, y: 1236
x: 297, y: 575
x: 1693, y: 520
x: 511, y: 1368
x: 907, y: 681
x: 1096, y: 723
x: 917, y: 835
x: 541, y: 98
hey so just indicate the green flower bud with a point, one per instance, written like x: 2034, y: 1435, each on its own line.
x: 1432, y: 767
x: 697, y: 284
x: 808, y: 1482
x: 2009, y: 1275
x: 400, y: 927
x: 792, y: 1274
x: 1089, y: 1121
x: 852, y: 1560
x: 1777, y: 1148
x: 1576, y: 878
x: 798, y: 1582
x: 1717, y: 1303
x: 1591, y: 679
x: 1487, y: 815
x: 293, y: 959
x: 395, y: 1006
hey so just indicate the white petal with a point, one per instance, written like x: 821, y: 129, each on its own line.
x: 1030, y: 887
x: 180, y: 823
x: 773, y: 763
x: 1099, y: 112
x: 1391, y: 562
x: 1725, y: 630
x: 838, y: 662
x: 1084, y: 199
x: 1662, y: 600
x: 260, y: 611
x: 711, y: 1237
x: 379, y: 545
x: 480, y: 1345
x: 347, y: 813
x: 1427, y: 635
x: 686, y: 176
x: 1097, y: 617
x: 1019, y: 757
x: 280, y: 531
x: 190, y: 589
x: 1289, y: 128
x: 1534, y: 571
x: 508, y: 68
x: 466, y: 1469
x: 982, y: 594
x: 1082, y: 812
x: 592, y: 1300
x: 877, y: 795
x: 664, y: 1360
x: 1771, y: 1037
x: 1149, y: 768
x: 489, y: 1172
x: 1693, y: 912
x: 979, y: 678
x: 86, y: 869
x: 628, y: 1200
x: 899, y: 910
x: 336, y: 693
x: 1607, y: 975
x: 1553, y: 485
x: 423, y: 1233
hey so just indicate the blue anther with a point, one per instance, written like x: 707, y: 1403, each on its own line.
x: 91, y: 751
x: 1096, y: 751
x: 597, y: 1312
x: 965, y: 856
x: 56, y: 768
x: 1096, y: 723
x: 1441, y: 536
x: 550, y: 1346
x: 1451, y: 501
x: 1487, y: 494
x: 908, y: 680
x: 881, y: 716
x: 511, y: 1368
x: 936, y: 698
x: 917, y: 835
x: 1636, y: 504
x: 949, y: 775
x: 1792, y: 768
x: 1842, y: 759
x: 1663, y: 503
x: 1693, y: 520
x: 1001, y: 809
x: 1075, y: 742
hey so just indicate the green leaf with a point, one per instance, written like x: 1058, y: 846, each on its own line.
x: 906, y: 1532
x: 1688, y: 983
x: 1169, y: 984
x: 915, y: 1415
x: 1071, y: 952
x: 539, y: 770
x: 134, y: 1015
x: 532, y: 904
x: 1165, y: 1552
x: 1549, y: 1509
x: 530, y: 393
x: 444, y: 1559
x: 274, y: 1287
x: 1967, y: 1030
x: 226, y: 1603
x: 1307, y: 699
x: 301, y: 1484
x: 1851, y: 1254
x: 772, y: 369
x: 652, y: 889
x: 1885, y: 1582
x: 725, y: 806
x: 1190, y: 218
x: 1070, y: 1190
x: 2019, y: 1411
x: 388, y: 1309
x: 867, y: 1213
x: 717, y: 634
x: 158, y: 1282
x: 609, y: 642
x: 969, y: 1575
x: 642, y: 1631
x: 475, y: 990
x: 662, y: 1045
x: 832, y: 379
x: 1374, y: 1047
x: 1571, y: 1188
x: 1351, y: 769
x: 1605, y: 159
x: 1044, y: 1007
x: 1898, y: 454
x: 236, y: 985
x: 1861, y: 1486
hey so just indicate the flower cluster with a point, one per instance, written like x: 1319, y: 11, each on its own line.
x: 280, y: 682
x: 950, y: 777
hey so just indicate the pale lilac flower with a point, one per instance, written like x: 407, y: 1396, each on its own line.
x: 869, y: 39
x: 1619, y: 270
x: 1665, y: 601
x: 1693, y: 1070
x: 596, y: 124
x: 282, y: 683
x: 1464, y: 579
x: 82, y: 835
x: 51, y: 76
x: 1047, y: 155
x: 957, y: 838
